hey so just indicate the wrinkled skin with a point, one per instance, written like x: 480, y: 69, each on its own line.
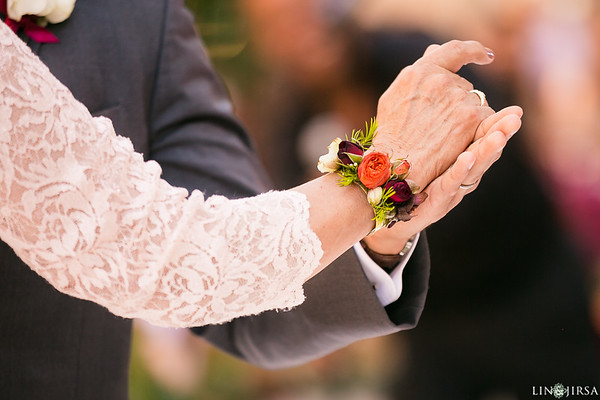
x: 428, y: 114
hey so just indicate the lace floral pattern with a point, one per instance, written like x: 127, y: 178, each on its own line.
x: 84, y: 211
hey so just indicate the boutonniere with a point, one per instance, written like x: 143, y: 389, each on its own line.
x: 32, y: 16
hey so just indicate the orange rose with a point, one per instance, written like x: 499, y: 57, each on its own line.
x: 374, y: 170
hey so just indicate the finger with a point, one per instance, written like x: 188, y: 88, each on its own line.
x: 508, y: 121
x: 512, y: 110
x: 487, y: 151
x: 508, y: 125
x: 445, y: 192
x: 454, y: 176
x: 460, y: 170
x: 454, y: 54
x: 431, y: 48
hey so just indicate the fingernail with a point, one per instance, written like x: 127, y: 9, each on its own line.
x: 490, y: 53
x: 472, y: 162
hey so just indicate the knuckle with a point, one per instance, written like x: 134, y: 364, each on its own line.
x: 432, y: 47
x: 473, y: 43
x: 470, y: 114
x: 465, y: 83
x: 413, y: 75
x: 410, y: 71
x: 456, y: 46
x: 473, y: 114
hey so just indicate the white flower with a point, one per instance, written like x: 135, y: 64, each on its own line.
x: 54, y: 11
x: 374, y: 195
x: 330, y: 162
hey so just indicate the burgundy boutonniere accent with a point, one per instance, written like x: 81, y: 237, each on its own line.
x: 29, y: 24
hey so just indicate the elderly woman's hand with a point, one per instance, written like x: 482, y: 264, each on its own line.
x: 428, y: 114
x: 448, y: 190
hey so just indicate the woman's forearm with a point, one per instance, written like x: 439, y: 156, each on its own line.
x: 340, y: 216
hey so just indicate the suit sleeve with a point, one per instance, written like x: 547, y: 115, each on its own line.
x: 194, y: 135
x: 199, y: 144
x: 340, y: 308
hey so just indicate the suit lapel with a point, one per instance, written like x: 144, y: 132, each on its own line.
x: 33, y: 45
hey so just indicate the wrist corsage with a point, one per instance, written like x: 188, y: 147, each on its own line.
x: 392, y: 196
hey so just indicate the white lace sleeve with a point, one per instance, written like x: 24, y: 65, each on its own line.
x: 90, y: 216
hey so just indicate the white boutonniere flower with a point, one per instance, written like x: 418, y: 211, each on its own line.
x: 54, y: 11
x: 329, y: 162
x: 32, y: 16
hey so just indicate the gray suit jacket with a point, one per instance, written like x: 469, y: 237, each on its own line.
x: 141, y: 64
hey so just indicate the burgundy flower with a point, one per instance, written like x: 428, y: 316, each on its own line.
x: 402, y: 191
x: 348, y: 147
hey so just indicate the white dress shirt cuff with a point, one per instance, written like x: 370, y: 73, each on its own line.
x: 388, y: 287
